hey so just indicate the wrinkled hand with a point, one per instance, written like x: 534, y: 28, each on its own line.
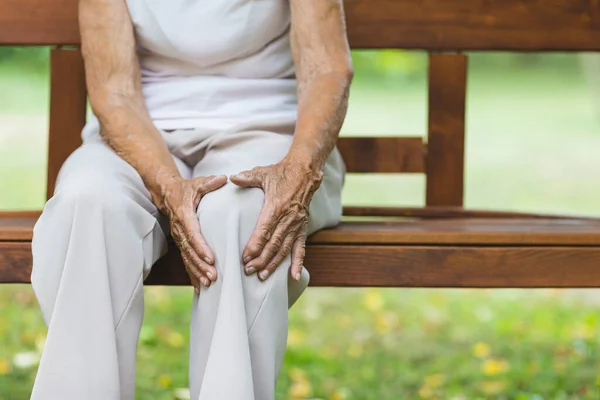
x: 180, y: 200
x: 283, y: 221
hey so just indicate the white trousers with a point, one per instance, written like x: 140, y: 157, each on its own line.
x: 98, y: 238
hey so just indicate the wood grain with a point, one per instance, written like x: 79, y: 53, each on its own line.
x: 383, y: 154
x: 415, y: 231
x: 462, y: 232
x: 67, y: 109
x: 450, y: 212
x: 397, y: 266
x: 446, y: 129
x: 445, y: 25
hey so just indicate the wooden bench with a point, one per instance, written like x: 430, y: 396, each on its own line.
x: 440, y: 245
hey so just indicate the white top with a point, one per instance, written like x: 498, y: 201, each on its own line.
x: 214, y: 63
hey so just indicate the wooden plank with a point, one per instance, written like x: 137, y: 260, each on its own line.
x: 444, y: 25
x: 383, y: 154
x: 39, y: 22
x: 15, y: 262
x: 458, y: 267
x: 441, y: 212
x: 67, y: 109
x: 410, y: 231
x: 446, y: 129
x: 397, y: 266
x: 463, y: 232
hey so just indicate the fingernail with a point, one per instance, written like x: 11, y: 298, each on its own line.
x: 247, y: 259
x: 264, y: 274
x: 298, y: 274
x: 210, y: 275
x: 208, y: 260
x: 197, y: 290
x: 250, y: 270
x: 204, y: 281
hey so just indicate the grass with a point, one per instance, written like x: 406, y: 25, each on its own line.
x: 533, y: 140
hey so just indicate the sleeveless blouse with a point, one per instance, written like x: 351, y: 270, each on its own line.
x: 215, y: 64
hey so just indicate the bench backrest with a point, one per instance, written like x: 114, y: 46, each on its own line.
x: 445, y: 28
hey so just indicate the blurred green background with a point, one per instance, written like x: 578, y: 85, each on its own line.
x: 533, y: 144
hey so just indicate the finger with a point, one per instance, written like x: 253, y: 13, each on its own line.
x: 198, y: 268
x: 283, y: 252
x: 201, y: 268
x: 194, y: 279
x: 199, y: 245
x: 207, y: 184
x: 195, y: 246
x: 298, y: 253
x: 273, y: 246
x: 211, y: 183
x: 267, y: 221
x: 252, y: 178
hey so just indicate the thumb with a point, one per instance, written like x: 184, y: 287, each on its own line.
x: 207, y: 184
x: 251, y: 178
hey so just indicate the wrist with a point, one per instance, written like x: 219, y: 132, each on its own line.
x: 306, y: 159
x: 162, y: 188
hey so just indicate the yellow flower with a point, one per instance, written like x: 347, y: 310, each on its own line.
x: 340, y: 394
x: 355, y: 350
x: 344, y: 321
x: 494, y: 367
x: 435, y: 380
x: 425, y: 392
x: 384, y: 322
x: 300, y: 389
x: 165, y: 381
x: 40, y: 341
x: 481, y: 350
x: 295, y: 337
x: 28, y: 337
x: 297, y: 374
x: 493, y: 387
x: 4, y: 367
x: 373, y: 300
x: 175, y: 339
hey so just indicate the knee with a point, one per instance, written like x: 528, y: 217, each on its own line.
x: 230, y: 213
x: 88, y: 192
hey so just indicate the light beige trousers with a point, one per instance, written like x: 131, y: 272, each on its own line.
x: 98, y: 238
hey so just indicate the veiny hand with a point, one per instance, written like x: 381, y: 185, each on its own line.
x: 283, y: 221
x: 180, y: 200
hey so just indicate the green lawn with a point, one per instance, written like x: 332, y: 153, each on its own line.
x: 533, y: 143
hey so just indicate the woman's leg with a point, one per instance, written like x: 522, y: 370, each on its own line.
x: 239, y: 324
x: 93, y: 245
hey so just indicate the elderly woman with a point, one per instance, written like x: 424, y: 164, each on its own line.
x: 187, y: 94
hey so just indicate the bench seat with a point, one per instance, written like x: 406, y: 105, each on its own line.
x: 406, y: 252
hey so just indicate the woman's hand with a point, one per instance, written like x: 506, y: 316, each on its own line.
x: 282, y: 225
x: 180, y: 200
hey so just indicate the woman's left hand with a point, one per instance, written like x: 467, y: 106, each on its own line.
x: 282, y: 225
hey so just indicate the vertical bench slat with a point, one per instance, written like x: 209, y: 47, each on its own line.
x: 446, y: 129
x: 67, y: 108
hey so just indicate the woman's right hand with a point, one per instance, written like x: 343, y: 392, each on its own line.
x: 179, y: 200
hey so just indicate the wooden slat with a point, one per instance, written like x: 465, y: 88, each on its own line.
x: 412, y: 231
x: 396, y: 266
x: 67, y: 109
x: 463, y: 232
x: 446, y: 129
x: 459, y: 267
x: 39, y: 22
x: 425, y: 24
x: 15, y: 262
x: 383, y: 154
x: 440, y: 212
